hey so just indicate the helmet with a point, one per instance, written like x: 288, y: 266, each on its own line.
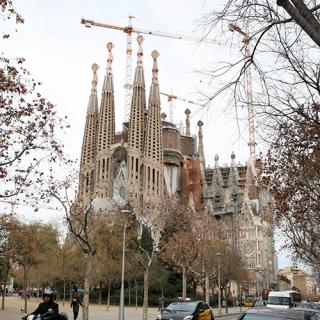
x: 48, y: 293
x: 63, y: 316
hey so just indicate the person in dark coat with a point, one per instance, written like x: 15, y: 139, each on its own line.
x: 75, y: 304
x: 47, y: 304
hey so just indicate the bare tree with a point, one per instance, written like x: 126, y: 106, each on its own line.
x: 292, y: 174
x: 28, y: 123
x: 281, y: 44
x: 211, y: 239
x: 284, y: 57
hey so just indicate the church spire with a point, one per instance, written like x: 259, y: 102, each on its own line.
x: 201, y: 148
x: 136, y: 129
x: 138, y: 104
x: 234, y: 178
x: 107, y: 114
x: 154, y: 96
x: 106, y: 131
x: 88, y: 152
x: 153, y: 152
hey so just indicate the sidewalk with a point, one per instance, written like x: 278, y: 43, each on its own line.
x: 13, y: 307
x: 231, y: 310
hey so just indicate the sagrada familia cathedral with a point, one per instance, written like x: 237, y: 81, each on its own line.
x: 152, y: 158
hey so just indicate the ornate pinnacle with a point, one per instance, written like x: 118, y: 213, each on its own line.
x: 140, y: 52
x: 110, y: 46
x: 200, y: 123
x: 155, y: 54
x: 187, y: 113
x: 94, y: 82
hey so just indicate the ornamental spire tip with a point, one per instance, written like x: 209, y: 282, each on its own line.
x: 110, y: 46
x: 155, y: 54
x: 94, y: 82
x: 140, y: 39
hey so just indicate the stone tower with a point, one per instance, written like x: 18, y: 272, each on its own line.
x: 106, y: 133
x: 136, y: 134
x: 88, y: 152
x: 153, y: 151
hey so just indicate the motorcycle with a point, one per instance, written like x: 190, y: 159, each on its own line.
x: 45, y: 316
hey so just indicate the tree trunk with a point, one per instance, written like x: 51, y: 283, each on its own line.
x: 226, y: 298
x: 207, y: 290
x: 5, y: 279
x: 161, y: 288
x: 184, y: 282
x: 136, y: 291
x: 87, y: 278
x: 108, y: 299
x: 129, y: 293
x: 25, y: 287
x: 145, y: 293
x: 100, y: 293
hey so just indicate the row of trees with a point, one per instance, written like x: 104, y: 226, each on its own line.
x: 35, y: 256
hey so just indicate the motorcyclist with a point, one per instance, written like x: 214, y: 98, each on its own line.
x: 47, y: 304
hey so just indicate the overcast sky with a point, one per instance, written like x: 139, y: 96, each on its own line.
x: 59, y: 52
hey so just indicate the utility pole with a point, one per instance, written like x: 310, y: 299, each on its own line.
x: 219, y: 254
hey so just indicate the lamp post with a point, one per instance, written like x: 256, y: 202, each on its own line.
x: 121, y: 307
x: 219, y: 254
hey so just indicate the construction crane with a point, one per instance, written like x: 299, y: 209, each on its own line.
x: 129, y: 29
x: 172, y: 97
x: 248, y: 88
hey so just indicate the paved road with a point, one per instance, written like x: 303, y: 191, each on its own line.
x: 96, y: 312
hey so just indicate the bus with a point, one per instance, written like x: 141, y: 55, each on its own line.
x: 283, y: 299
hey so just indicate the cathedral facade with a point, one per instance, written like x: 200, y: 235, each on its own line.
x: 152, y: 158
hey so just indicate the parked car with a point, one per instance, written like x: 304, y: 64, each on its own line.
x: 186, y: 310
x: 310, y: 314
x: 260, y: 303
x: 272, y: 314
x: 249, y: 300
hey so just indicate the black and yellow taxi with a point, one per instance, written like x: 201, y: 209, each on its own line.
x: 186, y: 310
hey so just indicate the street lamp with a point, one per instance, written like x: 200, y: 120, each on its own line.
x: 219, y: 254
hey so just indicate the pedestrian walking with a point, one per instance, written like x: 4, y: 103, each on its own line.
x: 75, y: 304
x: 161, y: 303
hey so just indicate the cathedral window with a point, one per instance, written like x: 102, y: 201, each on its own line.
x: 87, y: 179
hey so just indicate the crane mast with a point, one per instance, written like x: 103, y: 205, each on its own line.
x: 128, y: 79
x: 248, y: 76
x: 129, y: 30
x: 248, y: 89
x: 172, y: 97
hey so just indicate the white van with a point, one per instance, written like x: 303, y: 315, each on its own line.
x: 283, y: 299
